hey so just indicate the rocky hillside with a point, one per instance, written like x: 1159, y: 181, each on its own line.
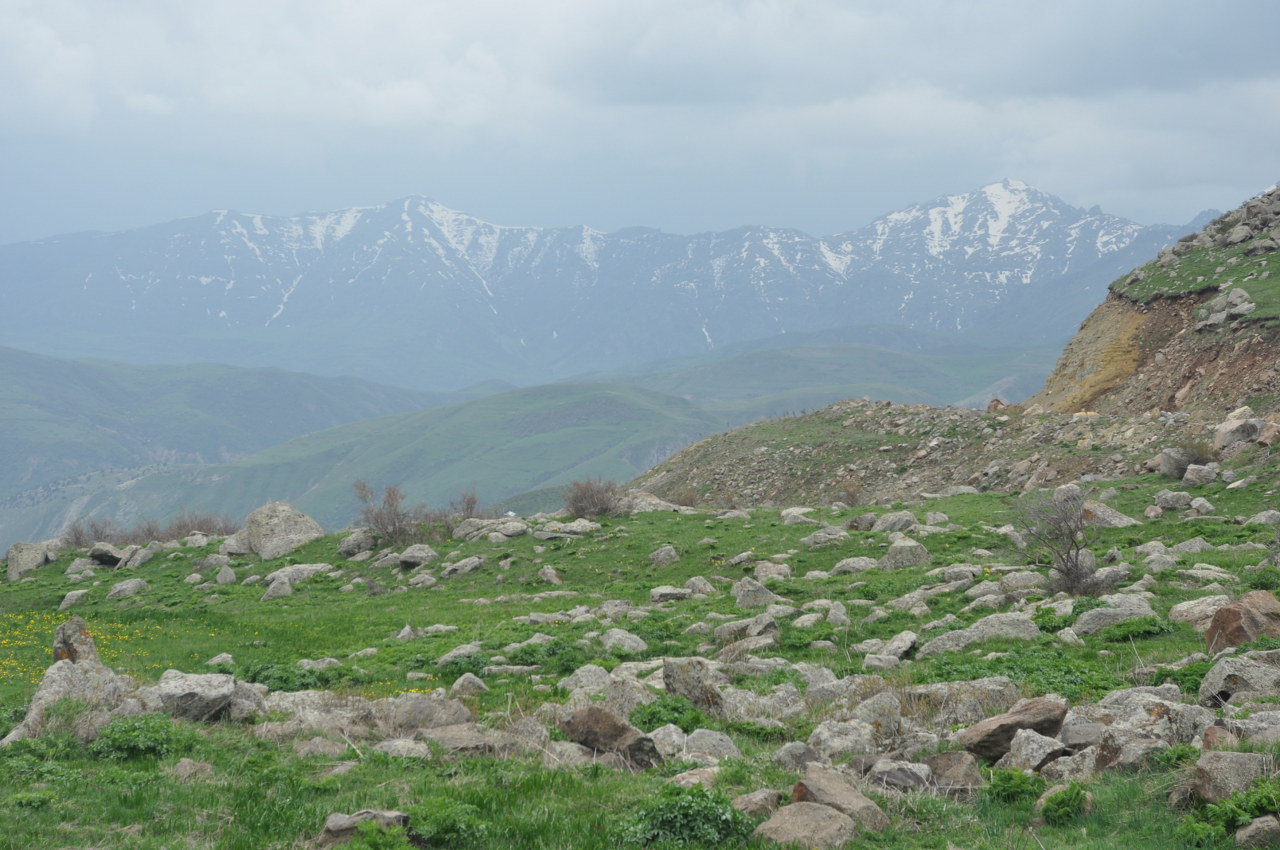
x: 1179, y: 345
x: 1197, y: 329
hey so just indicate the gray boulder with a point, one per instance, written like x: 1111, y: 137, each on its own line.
x: 128, y: 587
x: 994, y: 626
x: 749, y: 593
x: 808, y: 825
x: 827, y: 787
x: 202, y: 696
x: 22, y: 558
x: 277, y: 529
x: 904, y: 552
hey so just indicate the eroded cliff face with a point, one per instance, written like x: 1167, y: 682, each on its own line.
x: 1195, y: 330
x: 1134, y: 358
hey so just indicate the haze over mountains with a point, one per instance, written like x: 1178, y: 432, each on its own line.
x: 416, y: 294
x: 668, y: 339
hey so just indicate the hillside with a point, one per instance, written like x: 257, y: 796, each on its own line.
x: 496, y: 447
x: 1176, y: 345
x: 551, y: 684
x: 1196, y: 329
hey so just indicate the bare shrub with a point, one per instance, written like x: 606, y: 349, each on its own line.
x: 686, y: 495
x: 1056, y: 524
x: 592, y: 498
x: 86, y: 531
x: 390, y: 520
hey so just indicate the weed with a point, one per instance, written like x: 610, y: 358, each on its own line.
x: 668, y: 709
x: 685, y: 816
x: 370, y: 836
x: 140, y: 736
x: 1013, y: 786
x: 1064, y: 806
x: 445, y: 822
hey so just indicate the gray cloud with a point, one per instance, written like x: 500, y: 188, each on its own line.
x: 689, y: 115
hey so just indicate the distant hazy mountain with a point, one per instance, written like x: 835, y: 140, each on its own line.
x: 414, y: 293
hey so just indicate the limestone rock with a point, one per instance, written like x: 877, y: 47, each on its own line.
x: 995, y: 625
x: 276, y: 529
x: 749, y: 593
x: 825, y: 786
x: 22, y: 558
x: 202, y: 696
x: 1220, y: 773
x: 1254, y: 615
x: 992, y: 738
x: 601, y: 730
x: 128, y: 587
x: 809, y: 825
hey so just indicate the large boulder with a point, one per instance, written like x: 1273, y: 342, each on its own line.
x: 826, y: 787
x: 1017, y: 626
x: 22, y: 558
x: 1254, y: 615
x: 808, y: 825
x: 1256, y: 674
x: 696, y: 679
x: 202, y: 696
x: 992, y: 738
x: 277, y: 529
x: 603, y: 731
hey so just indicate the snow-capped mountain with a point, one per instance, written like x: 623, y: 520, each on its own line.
x: 413, y: 292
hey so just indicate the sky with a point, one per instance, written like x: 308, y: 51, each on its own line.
x: 684, y: 115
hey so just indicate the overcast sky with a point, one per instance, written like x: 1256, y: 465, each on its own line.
x: 687, y: 115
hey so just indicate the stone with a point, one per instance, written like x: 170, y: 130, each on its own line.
x: 904, y: 552
x: 467, y: 685
x: 849, y: 566
x: 220, y: 659
x: 1100, y: 515
x: 955, y: 770
x: 708, y: 742
x: 340, y: 828
x: 548, y: 574
x: 795, y: 755
x: 1219, y: 773
x: 1260, y: 832
x: 226, y: 575
x: 809, y: 825
x: 71, y: 599
x: 664, y: 556
x: 1254, y: 615
x: 1198, y: 474
x: 278, y: 588
x: 22, y: 558
x: 276, y: 529
x: 1173, y: 500
x: 824, y: 536
x: 1235, y: 431
x: 416, y: 556
x: 187, y: 769
x: 900, y: 775
x: 1017, y: 626
x: 1254, y: 673
x: 599, y: 729
x: 749, y: 593
x: 1029, y: 750
x: 827, y: 787
x: 202, y: 696
x: 126, y: 588
x: 1120, y: 608
x: 1199, y: 612
x: 466, y: 565
x: 621, y: 640
x: 895, y: 521
x: 835, y: 739
x: 757, y: 803
x: 992, y: 738
x: 668, y: 593
x: 360, y: 540
x: 73, y: 642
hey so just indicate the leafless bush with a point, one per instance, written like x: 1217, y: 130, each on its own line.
x: 592, y: 498
x: 390, y: 520
x: 89, y: 530
x: 1056, y: 524
x: 686, y: 495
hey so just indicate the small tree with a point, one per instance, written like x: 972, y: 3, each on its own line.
x: 390, y: 521
x: 1056, y: 523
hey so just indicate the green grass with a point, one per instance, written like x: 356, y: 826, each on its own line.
x: 262, y: 795
x: 1209, y: 268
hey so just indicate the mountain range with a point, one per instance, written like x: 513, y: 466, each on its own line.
x: 674, y: 337
x: 416, y: 294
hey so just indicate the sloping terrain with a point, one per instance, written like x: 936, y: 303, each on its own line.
x: 1196, y: 329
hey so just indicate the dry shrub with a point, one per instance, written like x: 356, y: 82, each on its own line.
x: 1056, y: 523
x: 592, y: 498
x: 390, y: 520
x: 686, y: 496
x: 89, y: 530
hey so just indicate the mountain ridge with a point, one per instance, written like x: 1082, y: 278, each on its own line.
x: 414, y: 293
